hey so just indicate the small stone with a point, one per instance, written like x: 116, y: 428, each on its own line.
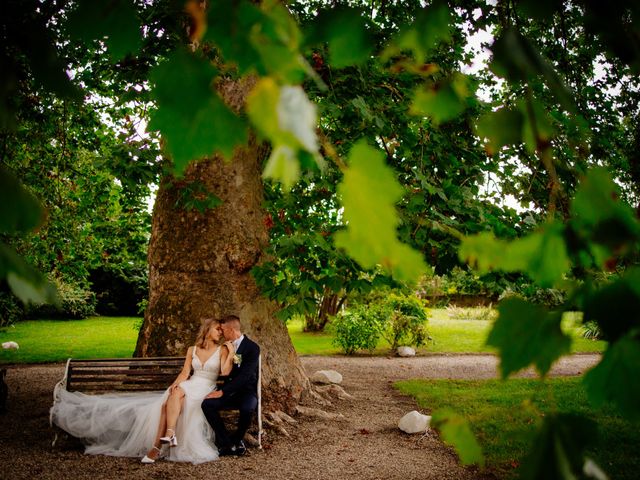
x: 10, y: 346
x: 414, y: 422
x: 326, y: 376
x: 406, y: 352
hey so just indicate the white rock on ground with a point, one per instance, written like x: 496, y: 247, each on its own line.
x: 414, y: 422
x: 406, y: 352
x: 10, y: 345
x: 326, y: 376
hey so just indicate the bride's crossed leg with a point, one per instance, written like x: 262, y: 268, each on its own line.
x: 169, y: 413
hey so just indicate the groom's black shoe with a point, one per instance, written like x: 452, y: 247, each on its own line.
x: 224, y: 452
x: 239, y: 449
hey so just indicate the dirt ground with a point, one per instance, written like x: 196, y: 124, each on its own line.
x: 366, y: 444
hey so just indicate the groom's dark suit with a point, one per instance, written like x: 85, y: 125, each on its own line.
x: 239, y: 392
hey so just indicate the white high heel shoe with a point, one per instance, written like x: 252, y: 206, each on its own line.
x: 171, y: 439
x: 148, y: 459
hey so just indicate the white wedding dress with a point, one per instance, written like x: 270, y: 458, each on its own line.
x: 125, y: 425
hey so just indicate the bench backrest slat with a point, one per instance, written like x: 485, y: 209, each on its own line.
x: 118, y: 374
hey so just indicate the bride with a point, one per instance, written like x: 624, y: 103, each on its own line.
x: 128, y: 425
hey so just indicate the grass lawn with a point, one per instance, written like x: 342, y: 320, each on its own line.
x: 503, y: 418
x: 57, y: 340
x: 98, y: 337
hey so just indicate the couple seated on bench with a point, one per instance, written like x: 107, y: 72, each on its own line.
x: 185, y: 416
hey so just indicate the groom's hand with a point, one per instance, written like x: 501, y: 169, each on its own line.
x: 215, y: 394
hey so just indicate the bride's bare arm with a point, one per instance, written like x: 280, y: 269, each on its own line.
x: 226, y: 358
x: 186, y: 370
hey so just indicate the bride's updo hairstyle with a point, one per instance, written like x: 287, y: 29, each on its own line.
x: 201, y: 339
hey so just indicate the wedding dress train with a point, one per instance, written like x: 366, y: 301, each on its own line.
x: 125, y: 425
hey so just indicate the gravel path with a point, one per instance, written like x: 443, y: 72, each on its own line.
x: 366, y: 444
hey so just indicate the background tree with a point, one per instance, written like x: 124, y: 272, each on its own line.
x: 305, y: 273
x: 86, y: 161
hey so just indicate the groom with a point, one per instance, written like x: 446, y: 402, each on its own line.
x: 239, y: 391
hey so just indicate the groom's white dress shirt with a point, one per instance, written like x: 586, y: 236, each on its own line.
x: 237, y: 342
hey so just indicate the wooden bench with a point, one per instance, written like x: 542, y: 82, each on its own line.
x: 131, y: 375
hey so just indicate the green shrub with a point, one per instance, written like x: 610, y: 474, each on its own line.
x: 472, y: 313
x: 398, y: 317
x: 548, y: 297
x: 11, y: 310
x: 119, y: 288
x: 591, y: 330
x: 463, y: 281
x: 75, y: 302
x: 142, y: 308
x: 357, y: 329
x: 406, y: 322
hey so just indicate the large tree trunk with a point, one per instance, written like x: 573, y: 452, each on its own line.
x: 199, y: 266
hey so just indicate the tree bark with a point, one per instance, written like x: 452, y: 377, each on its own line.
x: 200, y: 263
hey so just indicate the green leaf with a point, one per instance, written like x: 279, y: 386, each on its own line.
x: 455, y: 431
x: 558, y: 450
x: 369, y: 192
x: 25, y: 281
x: 540, y: 10
x: 345, y: 31
x: 596, y: 198
x: 196, y: 195
x: 20, y: 210
x: 542, y: 254
x: 262, y: 108
x: 431, y: 28
x: 29, y: 52
x: 229, y: 22
x: 616, y: 307
x: 193, y: 120
x: 284, y: 115
x: 277, y: 39
x: 527, y: 334
x: 442, y: 101
x: 601, y: 217
x: 113, y: 21
x: 614, y: 379
x: 518, y: 60
x: 502, y: 127
x: 362, y: 107
x: 49, y: 70
x: 283, y: 166
x: 537, y: 129
x: 29, y: 291
x: 528, y: 123
x: 288, y: 119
